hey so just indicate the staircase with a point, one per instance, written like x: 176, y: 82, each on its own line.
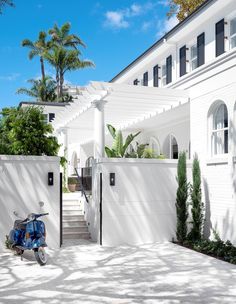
x: 74, y: 224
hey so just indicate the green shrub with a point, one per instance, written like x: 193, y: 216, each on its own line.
x: 181, y: 199
x: 196, y: 203
x: 72, y: 180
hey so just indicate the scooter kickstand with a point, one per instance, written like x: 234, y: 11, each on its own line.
x: 21, y: 257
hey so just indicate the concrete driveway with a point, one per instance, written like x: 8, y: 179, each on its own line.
x: 88, y: 273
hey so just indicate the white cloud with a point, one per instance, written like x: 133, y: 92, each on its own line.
x: 121, y: 18
x: 10, y: 77
x: 166, y: 25
x: 146, y: 25
x: 116, y: 19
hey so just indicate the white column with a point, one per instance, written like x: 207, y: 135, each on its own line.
x: 99, y: 129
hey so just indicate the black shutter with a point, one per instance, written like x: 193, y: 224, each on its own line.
x: 182, y: 61
x: 169, y: 69
x: 135, y: 82
x: 145, y: 79
x: 156, y: 76
x: 51, y: 117
x: 220, y: 37
x: 201, y: 49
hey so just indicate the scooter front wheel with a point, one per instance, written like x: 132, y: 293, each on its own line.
x: 40, y: 256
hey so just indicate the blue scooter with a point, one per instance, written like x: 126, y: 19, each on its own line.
x: 29, y: 234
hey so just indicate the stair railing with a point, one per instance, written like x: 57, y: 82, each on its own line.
x: 82, y: 187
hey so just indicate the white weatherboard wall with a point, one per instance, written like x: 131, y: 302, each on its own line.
x: 23, y: 185
x: 140, y: 208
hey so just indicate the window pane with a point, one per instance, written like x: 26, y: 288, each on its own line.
x: 194, y: 64
x: 220, y: 118
x: 233, y: 42
x: 163, y: 69
x: 193, y: 51
x: 233, y: 27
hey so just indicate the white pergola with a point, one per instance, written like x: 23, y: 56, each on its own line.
x: 118, y: 104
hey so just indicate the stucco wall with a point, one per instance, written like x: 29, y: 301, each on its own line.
x: 140, y: 208
x: 23, y: 184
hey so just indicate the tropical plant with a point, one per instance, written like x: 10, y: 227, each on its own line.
x: 4, y: 3
x: 119, y: 146
x: 137, y: 151
x: 42, y: 90
x: 23, y: 132
x: 64, y: 55
x: 63, y: 38
x: 181, y: 199
x: 183, y: 8
x: 196, y: 202
x: 64, y: 60
x: 38, y: 48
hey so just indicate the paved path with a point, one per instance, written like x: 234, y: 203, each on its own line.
x: 88, y: 273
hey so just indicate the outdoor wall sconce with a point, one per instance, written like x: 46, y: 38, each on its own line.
x: 50, y: 179
x: 112, y: 179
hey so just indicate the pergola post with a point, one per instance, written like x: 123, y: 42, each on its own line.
x: 99, y: 128
x: 65, y: 152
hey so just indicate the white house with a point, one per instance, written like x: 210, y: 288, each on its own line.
x: 181, y: 95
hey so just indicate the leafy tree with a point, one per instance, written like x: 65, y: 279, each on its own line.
x: 42, y: 90
x: 24, y: 132
x: 183, y: 8
x: 181, y: 199
x: 197, y: 205
x: 38, y: 48
x: 4, y: 3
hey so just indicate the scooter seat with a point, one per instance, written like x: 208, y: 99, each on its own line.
x: 19, y: 225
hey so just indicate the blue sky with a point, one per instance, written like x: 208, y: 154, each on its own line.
x: 115, y: 33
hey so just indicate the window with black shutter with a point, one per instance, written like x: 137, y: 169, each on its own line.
x: 169, y: 69
x: 155, y: 76
x: 145, y: 79
x: 220, y: 37
x: 182, y: 61
x: 135, y: 82
x: 201, y: 49
x: 51, y: 116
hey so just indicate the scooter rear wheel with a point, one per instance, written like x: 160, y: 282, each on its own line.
x: 18, y: 251
x: 41, y: 256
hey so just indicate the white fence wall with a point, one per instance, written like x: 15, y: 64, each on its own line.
x: 140, y: 208
x: 23, y: 185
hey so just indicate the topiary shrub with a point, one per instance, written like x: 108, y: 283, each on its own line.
x: 181, y: 199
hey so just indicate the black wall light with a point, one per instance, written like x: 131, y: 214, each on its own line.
x: 50, y: 179
x: 112, y: 179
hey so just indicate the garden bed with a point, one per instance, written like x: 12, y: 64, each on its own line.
x: 224, y: 251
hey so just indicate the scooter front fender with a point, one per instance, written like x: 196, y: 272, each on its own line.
x: 40, y: 242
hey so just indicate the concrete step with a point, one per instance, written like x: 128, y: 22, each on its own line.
x: 72, y: 202
x: 67, y: 224
x: 83, y: 236
x: 71, y: 207
x: 73, y: 217
x: 75, y: 229
x: 72, y: 212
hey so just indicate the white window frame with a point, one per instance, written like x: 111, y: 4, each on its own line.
x: 191, y: 59
x: 214, y: 131
x: 163, y: 76
x: 171, y: 138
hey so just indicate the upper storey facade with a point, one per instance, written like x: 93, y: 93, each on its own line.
x: 200, y: 39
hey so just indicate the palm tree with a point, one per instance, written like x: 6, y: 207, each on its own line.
x: 42, y: 90
x: 5, y: 2
x: 38, y: 48
x: 65, y: 60
x: 62, y: 37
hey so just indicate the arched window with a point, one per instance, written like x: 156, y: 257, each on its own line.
x: 170, y: 147
x: 219, y: 129
x: 174, y: 150
x: 155, y: 145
